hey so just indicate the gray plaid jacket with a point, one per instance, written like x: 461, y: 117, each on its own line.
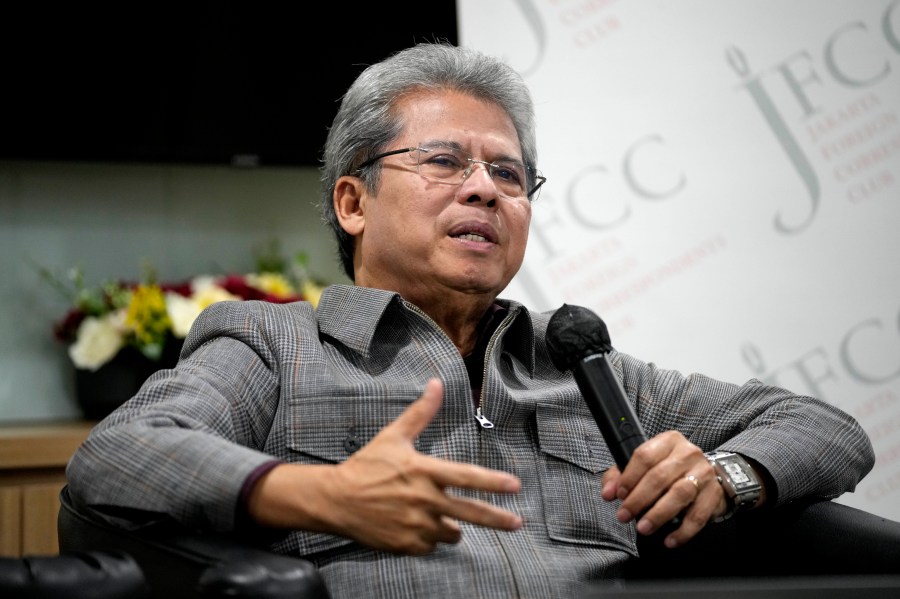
x: 258, y: 380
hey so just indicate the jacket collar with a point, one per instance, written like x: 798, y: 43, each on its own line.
x: 351, y: 315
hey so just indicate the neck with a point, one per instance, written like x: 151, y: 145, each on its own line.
x: 460, y: 325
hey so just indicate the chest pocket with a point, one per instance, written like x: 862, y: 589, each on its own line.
x: 328, y: 430
x: 575, y: 457
x: 331, y: 428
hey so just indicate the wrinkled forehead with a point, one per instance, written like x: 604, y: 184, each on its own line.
x: 448, y: 115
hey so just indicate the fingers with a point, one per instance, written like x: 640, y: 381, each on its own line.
x: 441, y: 524
x: 445, y: 475
x: 448, y: 532
x: 469, y: 476
x: 692, y: 499
x: 482, y: 514
x: 655, y: 466
x: 423, y: 539
x: 397, y: 499
x: 668, y: 479
x: 610, y: 483
x: 419, y: 414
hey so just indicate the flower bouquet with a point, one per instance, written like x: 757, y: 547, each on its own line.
x: 120, y: 332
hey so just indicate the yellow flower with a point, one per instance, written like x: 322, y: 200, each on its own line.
x: 312, y: 292
x: 116, y: 314
x: 206, y: 291
x: 271, y: 282
x: 147, y: 317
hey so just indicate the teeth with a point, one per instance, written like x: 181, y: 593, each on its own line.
x: 473, y: 237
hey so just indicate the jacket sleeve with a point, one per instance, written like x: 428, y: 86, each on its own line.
x: 810, y: 448
x: 185, y: 443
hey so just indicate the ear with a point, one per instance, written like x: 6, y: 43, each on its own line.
x: 349, y: 204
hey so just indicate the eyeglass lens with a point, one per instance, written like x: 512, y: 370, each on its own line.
x: 446, y: 164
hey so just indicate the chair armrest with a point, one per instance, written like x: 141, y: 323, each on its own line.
x: 179, y: 563
x: 814, y: 538
x: 81, y: 575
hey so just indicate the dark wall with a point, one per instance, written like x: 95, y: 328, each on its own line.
x: 251, y: 82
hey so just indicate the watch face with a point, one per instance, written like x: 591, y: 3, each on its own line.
x: 738, y: 481
x: 737, y: 475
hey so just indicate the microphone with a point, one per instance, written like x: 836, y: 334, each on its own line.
x: 578, y: 340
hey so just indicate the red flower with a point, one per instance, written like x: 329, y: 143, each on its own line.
x: 236, y: 285
x: 66, y: 329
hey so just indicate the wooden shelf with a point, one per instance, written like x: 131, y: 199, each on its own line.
x: 33, y: 460
x: 40, y: 445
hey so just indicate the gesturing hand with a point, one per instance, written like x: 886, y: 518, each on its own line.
x: 387, y: 495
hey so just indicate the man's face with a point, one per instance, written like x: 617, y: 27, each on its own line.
x: 425, y: 239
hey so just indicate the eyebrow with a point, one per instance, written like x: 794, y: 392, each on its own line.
x: 457, y: 146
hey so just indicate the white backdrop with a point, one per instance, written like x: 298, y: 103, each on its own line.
x: 723, y: 188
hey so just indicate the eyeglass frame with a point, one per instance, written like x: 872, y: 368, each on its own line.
x: 540, y: 179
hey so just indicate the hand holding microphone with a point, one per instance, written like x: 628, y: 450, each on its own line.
x: 578, y: 340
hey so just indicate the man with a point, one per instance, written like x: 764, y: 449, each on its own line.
x: 411, y: 435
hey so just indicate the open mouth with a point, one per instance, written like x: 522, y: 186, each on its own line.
x: 471, y: 237
x: 474, y: 231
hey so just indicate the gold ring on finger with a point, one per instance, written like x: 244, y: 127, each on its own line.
x: 693, y: 480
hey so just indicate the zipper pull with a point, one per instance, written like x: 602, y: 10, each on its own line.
x: 484, y: 422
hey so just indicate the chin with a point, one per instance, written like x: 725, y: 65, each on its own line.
x: 484, y: 286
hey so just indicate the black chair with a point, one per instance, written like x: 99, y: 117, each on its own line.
x: 810, y: 538
x: 815, y: 539
x: 77, y: 575
x: 180, y: 563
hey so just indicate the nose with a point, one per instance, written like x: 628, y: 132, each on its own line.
x: 478, y: 188
x: 473, y: 163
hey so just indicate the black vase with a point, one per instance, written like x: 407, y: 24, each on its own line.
x: 101, y: 391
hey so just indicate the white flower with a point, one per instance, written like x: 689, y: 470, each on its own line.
x: 184, y: 310
x: 98, y: 340
x: 202, y: 282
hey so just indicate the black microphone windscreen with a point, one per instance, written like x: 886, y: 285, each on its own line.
x: 574, y: 333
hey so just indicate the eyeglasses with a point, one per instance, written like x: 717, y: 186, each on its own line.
x: 449, y: 165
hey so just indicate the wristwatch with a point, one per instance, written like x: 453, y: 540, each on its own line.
x: 738, y: 479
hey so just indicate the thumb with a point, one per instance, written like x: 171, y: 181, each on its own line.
x: 416, y: 417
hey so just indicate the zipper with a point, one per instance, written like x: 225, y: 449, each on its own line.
x: 482, y: 419
x: 479, y: 416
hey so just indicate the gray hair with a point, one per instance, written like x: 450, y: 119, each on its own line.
x: 366, y: 122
